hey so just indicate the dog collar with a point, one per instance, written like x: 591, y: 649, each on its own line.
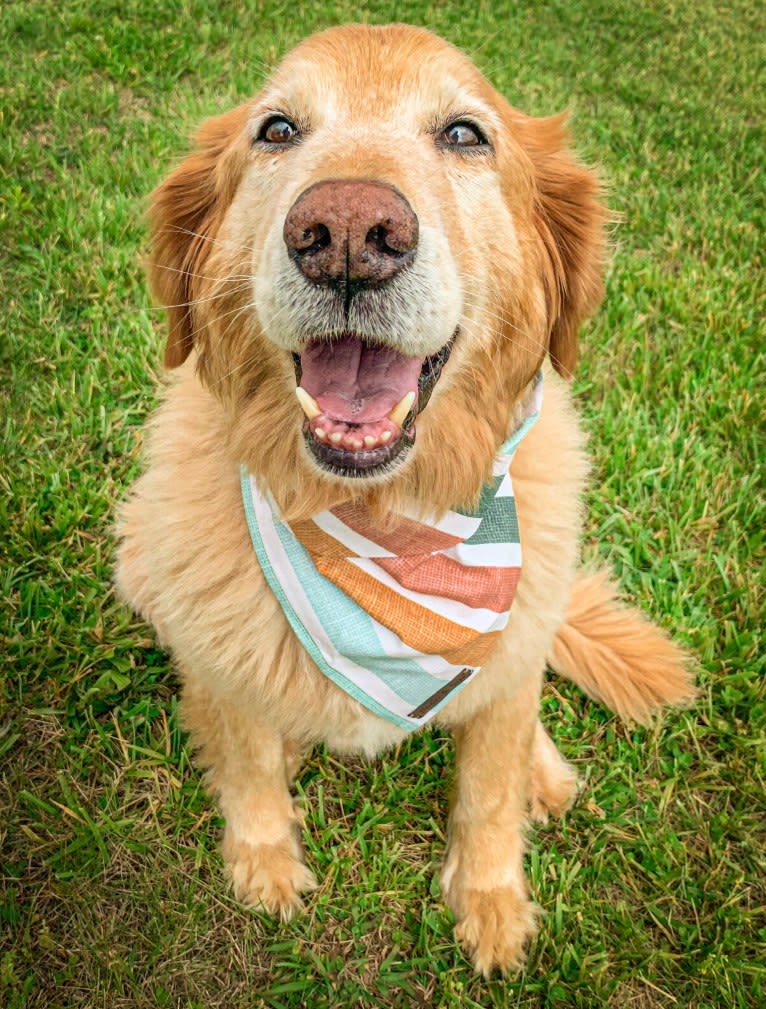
x: 400, y: 616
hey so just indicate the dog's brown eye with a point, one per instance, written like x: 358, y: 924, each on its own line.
x: 463, y: 134
x: 278, y: 130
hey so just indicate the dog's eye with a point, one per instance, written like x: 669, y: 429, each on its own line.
x: 463, y: 134
x: 278, y: 130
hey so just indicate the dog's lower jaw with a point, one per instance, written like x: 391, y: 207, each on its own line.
x: 383, y: 461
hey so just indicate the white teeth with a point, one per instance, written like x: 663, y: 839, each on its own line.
x: 320, y: 433
x: 369, y: 441
x: 385, y: 437
x: 335, y: 437
x: 401, y: 409
x: 308, y: 404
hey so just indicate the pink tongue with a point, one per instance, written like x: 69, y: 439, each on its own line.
x: 355, y: 383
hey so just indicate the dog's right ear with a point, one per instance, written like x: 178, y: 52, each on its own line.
x: 186, y: 213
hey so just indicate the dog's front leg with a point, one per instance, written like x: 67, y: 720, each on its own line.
x: 250, y: 766
x: 483, y: 878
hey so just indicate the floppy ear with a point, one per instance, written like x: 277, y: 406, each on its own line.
x: 186, y: 213
x: 571, y: 223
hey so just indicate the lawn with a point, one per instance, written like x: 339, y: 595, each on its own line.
x: 111, y: 890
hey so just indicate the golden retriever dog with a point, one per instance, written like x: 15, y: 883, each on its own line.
x: 374, y: 274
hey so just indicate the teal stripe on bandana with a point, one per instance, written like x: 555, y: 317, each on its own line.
x: 498, y: 517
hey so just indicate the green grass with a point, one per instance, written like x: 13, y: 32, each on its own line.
x: 653, y: 887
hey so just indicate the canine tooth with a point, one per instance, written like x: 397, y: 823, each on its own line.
x: 369, y: 441
x: 401, y: 409
x: 335, y: 437
x: 320, y: 433
x: 356, y: 443
x: 308, y: 404
x: 386, y: 437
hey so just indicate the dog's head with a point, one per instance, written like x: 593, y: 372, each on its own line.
x: 377, y: 229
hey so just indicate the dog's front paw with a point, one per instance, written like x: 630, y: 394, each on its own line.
x: 268, y: 876
x: 494, y: 927
x: 494, y: 917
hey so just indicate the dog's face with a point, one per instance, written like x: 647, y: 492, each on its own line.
x: 380, y: 231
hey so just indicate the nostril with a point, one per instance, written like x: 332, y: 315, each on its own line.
x: 312, y: 239
x: 388, y: 239
x: 396, y: 236
x: 376, y: 237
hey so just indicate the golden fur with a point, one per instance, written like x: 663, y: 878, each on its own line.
x: 522, y: 233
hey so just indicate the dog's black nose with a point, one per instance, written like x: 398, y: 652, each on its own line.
x: 351, y: 233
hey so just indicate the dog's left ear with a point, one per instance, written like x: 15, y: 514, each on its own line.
x: 186, y: 212
x: 571, y: 222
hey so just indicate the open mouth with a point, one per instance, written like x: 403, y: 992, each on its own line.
x: 361, y: 400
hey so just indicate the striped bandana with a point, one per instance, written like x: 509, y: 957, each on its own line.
x: 402, y: 616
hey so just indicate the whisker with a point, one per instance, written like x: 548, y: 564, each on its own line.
x: 208, y: 238
x: 507, y: 322
x: 248, y: 360
x: 213, y: 322
x: 243, y: 364
x: 204, y: 276
x: 200, y: 301
x: 498, y: 316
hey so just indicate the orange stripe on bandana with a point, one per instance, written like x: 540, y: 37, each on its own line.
x: 417, y: 626
x: 437, y: 575
x: 317, y: 541
x: 403, y: 536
